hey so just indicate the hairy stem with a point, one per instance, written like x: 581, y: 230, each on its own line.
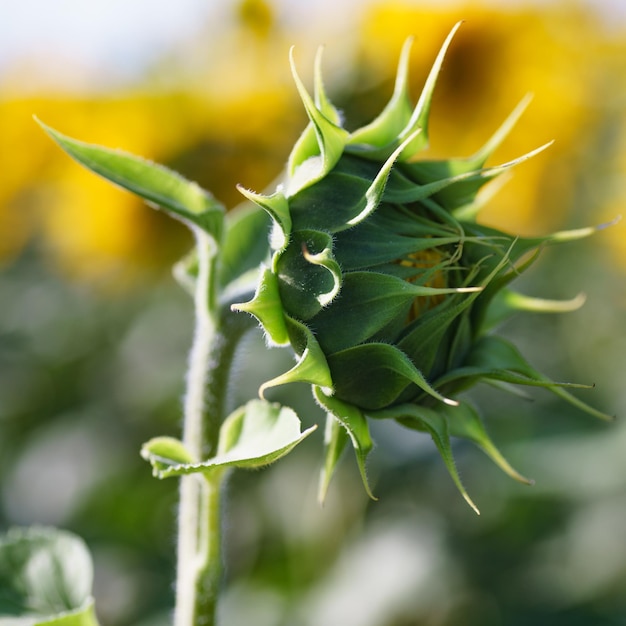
x: 199, y: 561
x: 199, y: 523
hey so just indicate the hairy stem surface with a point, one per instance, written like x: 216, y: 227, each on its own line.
x: 199, y: 560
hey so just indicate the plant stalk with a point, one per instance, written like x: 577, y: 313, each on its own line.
x: 199, y: 559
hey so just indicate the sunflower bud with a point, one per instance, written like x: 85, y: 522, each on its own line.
x: 383, y: 283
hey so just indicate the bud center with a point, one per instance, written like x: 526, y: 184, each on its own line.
x: 428, y: 264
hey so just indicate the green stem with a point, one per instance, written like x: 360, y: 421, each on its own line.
x: 199, y: 561
x: 199, y: 523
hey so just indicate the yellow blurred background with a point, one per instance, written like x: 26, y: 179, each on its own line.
x: 233, y: 119
x: 93, y: 333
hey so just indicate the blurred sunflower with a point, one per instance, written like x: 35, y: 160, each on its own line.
x: 228, y: 115
x: 93, y: 232
x: 560, y: 54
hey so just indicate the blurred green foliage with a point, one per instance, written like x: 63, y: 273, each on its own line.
x: 92, y: 355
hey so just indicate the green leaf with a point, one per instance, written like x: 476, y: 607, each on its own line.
x: 277, y: 207
x: 311, y: 366
x: 154, y: 183
x: 80, y: 617
x: 307, y: 165
x: 267, y: 308
x: 45, y: 579
x: 355, y: 424
x: 254, y: 435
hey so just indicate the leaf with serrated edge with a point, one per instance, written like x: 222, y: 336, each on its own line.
x: 254, y: 435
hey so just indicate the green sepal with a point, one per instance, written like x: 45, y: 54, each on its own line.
x: 507, y: 302
x: 267, y: 308
x: 45, y: 579
x: 373, y: 375
x: 442, y: 169
x: 375, y: 191
x: 308, y: 275
x: 360, y: 251
x: 482, y: 319
x: 355, y: 424
x: 325, y: 259
x: 494, y: 358
x: 519, y: 247
x: 311, y: 366
x: 437, y: 170
x: 256, y: 434
x: 385, y: 129
x: 335, y: 442
x: 524, y: 245
x: 504, y: 355
x: 421, y: 113
x: 386, y: 237
x: 464, y: 422
x: 277, y: 207
x: 480, y: 157
x: 398, y: 124
x: 451, y: 192
x: 368, y: 302
x: 308, y: 164
x: 434, y: 422
x: 339, y: 197
x: 322, y: 102
x: 154, y: 183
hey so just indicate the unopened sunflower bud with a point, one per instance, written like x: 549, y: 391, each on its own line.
x: 382, y: 281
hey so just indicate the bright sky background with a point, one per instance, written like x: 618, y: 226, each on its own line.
x: 114, y: 39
